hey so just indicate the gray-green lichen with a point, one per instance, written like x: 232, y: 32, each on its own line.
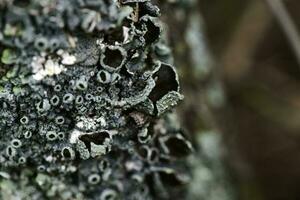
x: 84, y: 102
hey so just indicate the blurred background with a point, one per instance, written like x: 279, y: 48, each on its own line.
x: 260, y: 72
x: 239, y: 66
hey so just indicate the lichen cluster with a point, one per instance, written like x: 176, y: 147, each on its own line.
x: 85, y: 96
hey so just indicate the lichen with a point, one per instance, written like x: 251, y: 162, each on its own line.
x: 85, y: 101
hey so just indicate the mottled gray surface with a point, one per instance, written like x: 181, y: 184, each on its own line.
x: 84, y: 103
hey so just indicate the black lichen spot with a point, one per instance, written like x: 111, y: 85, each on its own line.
x: 153, y: 156
x: 10, y: 151
x: 24, y: 120
x: 112, y: 58
x: 57, y: 88
x: 147, y: 8
x: 94, y: 179
x: 59, y: 120
x: 68, y: 98
x: 166, y: 81
x: 51, y: 135
x: 153, y: 31
x: 79, y: 100
x: 104, y: 76
x: 22, y: 3
x: 97, y: 138
x: 54, y: 100
x: 114, y: 36
x: 177, y: 147
x: 16, y: 143
x: 81, y: 85
x: 66, y: 153
x: 41, y: 44
x: 143, y: 152
x: 170, y: 179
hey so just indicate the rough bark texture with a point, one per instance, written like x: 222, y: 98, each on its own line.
x: 85, y: 98
x: 86, y: 93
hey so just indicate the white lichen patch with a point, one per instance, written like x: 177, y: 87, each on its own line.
x: 68, y: 59
x: 43, y: 67
x: 86, y: 123
x: 74, y: 136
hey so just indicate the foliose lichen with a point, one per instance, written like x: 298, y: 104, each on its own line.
x: 85, y: 97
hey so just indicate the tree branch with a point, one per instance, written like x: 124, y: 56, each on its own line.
x: 287, y: 24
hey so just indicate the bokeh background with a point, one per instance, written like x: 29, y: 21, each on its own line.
x: 261, y: 77
x: 238, y: 61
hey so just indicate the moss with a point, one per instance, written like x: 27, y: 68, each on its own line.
x: 8, y: 56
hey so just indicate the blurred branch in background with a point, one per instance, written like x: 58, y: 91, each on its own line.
x: 262, y: 81
x: 286, y: 22
x: 239, y: 53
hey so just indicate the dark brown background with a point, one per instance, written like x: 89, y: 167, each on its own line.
x: 262, y: 83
